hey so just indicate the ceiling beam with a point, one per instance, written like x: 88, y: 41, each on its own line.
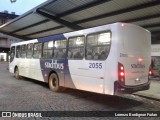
x: 58, y: 20
x: 155, y: 32
x: 142, y: 18
x: 151, y: 25
x: 38, y: 32
x: 155, y: 37
x: 16, y: 36
x: 83, y: 7
x: 155, y: 40
x: 118, y: 12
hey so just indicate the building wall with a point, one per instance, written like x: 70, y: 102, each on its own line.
x: 3, y: 56
x: 6, y: 40
x: 5, y: 16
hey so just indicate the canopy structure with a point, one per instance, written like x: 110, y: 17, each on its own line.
x: 60, y: 16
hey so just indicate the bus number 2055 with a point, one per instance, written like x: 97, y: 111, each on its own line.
x: 95, y: 65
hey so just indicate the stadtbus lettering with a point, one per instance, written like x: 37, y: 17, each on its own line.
x: 54, y: 65
x: 137, y: 65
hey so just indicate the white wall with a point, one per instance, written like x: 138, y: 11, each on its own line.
x: 155, y: 50
x: 4, y: 56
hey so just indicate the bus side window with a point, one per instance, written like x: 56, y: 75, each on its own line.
x: 76, y: 48
x: 18, y: 51
x: 60, y: 49
x: 29, y: 50
x: 12, y: 54
x: 37, y: 50
x: 47, y: 50
x: 70, y: 54
x: 89, y: 54
x: 96, y: 56
x: 23, y: 51
x: 98, y: 46
x: 103, y: 55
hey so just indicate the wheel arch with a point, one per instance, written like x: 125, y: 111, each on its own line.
x: 15, y: 68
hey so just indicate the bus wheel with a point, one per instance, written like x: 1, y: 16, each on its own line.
x: 54, y: 83
x: 17, y: 74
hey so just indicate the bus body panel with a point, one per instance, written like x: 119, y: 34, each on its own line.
x: 137, y: 52
x: 111, y: 74
x: 28, y: 67
x: 49, y: 66
x: 12, y: 66
x: 85, y: 77
x: 37, y: 70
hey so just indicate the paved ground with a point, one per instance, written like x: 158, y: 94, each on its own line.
x: 30, y: 95
x: 153, y: 92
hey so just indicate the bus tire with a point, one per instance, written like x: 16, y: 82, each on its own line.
x: 17, y: 76
x: 54, y: 83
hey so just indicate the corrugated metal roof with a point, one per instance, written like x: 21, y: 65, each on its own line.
x: 148, y: 22
x: 59, y: 16
x: 65, y: 4
x: 23, y: 22
x: 43, y: 26
x: 51, y: 32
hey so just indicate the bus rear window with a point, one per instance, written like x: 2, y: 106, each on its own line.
x: 98, y: 46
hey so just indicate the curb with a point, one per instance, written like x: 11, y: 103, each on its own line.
x: 4, y: 62
x: 151, y: 98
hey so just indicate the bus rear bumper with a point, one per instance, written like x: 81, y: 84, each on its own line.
x: 119, y: 89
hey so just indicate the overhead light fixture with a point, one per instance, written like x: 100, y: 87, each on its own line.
x: 12, y: 1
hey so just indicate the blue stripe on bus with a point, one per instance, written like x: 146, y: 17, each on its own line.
x: 54, y: 37
x: 55, y: 65
x: 49, y: 65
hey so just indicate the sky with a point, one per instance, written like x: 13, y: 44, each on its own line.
x: 20, y: 6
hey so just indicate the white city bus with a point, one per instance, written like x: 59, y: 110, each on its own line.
x: 108, y: 59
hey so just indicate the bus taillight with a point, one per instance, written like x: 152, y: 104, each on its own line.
x: 121, y: 74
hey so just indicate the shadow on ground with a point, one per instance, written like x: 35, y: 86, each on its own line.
x: 108, y: 101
